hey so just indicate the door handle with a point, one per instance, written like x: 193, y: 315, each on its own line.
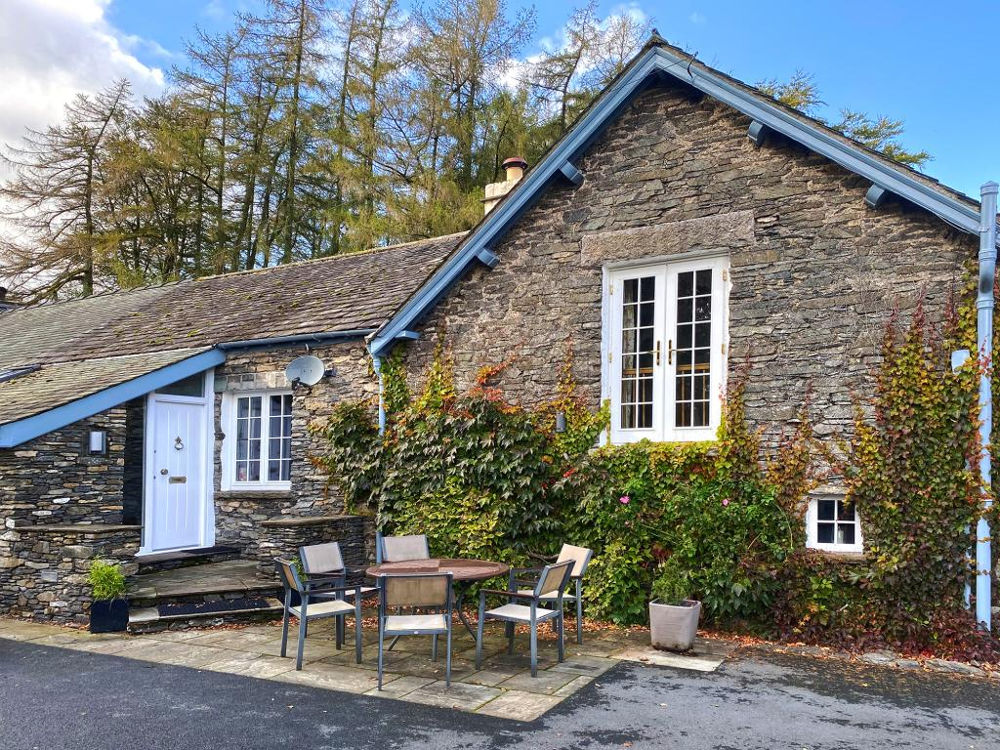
x: 657, y: 352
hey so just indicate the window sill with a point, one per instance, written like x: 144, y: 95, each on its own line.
x: 253, y: 493
x: 842, y: 556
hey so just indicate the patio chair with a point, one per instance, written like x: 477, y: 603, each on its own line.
x: 328, y: 601
x: 548, y: 590
x: 580, y: 556
x: 427, y: 591
x: 324, y: 565
x: 402, y: 548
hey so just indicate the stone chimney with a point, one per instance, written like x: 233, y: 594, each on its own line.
x: 514, y: 168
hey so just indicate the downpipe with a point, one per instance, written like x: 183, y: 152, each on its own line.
x: 984, y: 327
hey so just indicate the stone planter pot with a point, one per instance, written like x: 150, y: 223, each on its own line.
x: 109, y: 615
x: 674, y: 626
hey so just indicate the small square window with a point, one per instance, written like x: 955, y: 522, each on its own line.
x: 833, y: 524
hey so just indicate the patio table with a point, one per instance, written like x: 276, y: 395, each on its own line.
x: 464, y: 573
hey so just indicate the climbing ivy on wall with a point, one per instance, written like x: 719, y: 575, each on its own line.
x: 721, y: 521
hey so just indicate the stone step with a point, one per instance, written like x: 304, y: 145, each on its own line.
x: 186, y: 558
x: 203, y: 614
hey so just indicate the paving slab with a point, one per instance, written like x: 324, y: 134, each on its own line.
x: 460, y: 695
x: 584, y: 665
x: 400, y: 686
x: 650, y: 655
x: 256, y: 665
x: 520, y: 706
x: 335, y: 677
x: 547, y: 681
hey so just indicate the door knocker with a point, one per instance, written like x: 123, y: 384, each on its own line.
x: 178, y: 444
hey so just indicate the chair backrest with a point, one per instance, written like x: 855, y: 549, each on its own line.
x: 288, y: 575
x: 554, y: 578
x: 402, y: 548
x: 580, y: 557
x: 416, y: 590
x: 321, y: 558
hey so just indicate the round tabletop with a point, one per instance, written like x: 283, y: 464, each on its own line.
x: 461, y: 569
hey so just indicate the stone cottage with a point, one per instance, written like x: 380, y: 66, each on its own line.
x: 686, y: 222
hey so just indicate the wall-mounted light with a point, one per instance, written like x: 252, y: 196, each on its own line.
x: 98, y: 442
x: 560, y: 422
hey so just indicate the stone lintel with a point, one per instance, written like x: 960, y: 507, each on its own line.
x: 708, y: 233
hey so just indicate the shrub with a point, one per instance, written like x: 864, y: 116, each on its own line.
x: 107, y: 580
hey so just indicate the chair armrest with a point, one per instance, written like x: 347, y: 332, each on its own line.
x: 502, y: 592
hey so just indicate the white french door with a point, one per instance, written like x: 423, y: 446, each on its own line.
x: 177, y: 513
x: 666, y: 339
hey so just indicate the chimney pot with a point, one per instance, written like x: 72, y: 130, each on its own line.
x: 514, y: 167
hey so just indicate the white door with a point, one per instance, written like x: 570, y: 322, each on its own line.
x: 177, y: 484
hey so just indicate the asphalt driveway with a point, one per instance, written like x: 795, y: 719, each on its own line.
x: 55, y: 698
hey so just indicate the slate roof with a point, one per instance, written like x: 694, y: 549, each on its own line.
x: 88, y: 345
x: 340, y: 293
x: 61, y: 382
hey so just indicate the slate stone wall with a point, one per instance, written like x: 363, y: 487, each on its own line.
x: 43, y: 569
x: 239, y: 513
x: 815, y: 273
x: 53, y: 479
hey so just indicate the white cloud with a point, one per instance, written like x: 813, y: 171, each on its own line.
x: 51, y: 50
x: 697, y: 18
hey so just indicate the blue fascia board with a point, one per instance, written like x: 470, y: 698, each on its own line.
x: 23, y: 430
x: 523, y: 196
x: 409, y: 335
x: 854, y: 159
x: 656, y: 61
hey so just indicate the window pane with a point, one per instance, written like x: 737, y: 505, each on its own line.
x: 700, y: 388
x: 699, y: 415
x: 645, y: 416
x: 685, y: 284
x: 631, y: 288
x: 826, y: 510
x: 242, y: 408
x: 845, y: 511
x: 685, y: 310
x: 703, y: 334
x: 255, y: 406
x: 845, y: 533
x: 193, y: 385
x: 703, y: 308
x: 628, y: 316
x: 704, y: 283
x: 824, y: 533
x: 683, y: 413
x: 683, y: 389
x: 646, y: 314
x: 683, y: 336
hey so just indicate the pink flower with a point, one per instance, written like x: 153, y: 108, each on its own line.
x: 624, y: 500
x: 725, y: 501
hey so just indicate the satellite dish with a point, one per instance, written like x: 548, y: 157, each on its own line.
x: 307, y: 370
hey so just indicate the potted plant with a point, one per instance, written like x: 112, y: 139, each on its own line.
x: 109, y: 608
x: 673, y: 615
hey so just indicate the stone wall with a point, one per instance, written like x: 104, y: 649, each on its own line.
x: 43, y: 568
x: 814, y: 272
x: 282, y: 537
x: 54, y: 479
x: 240, y: 513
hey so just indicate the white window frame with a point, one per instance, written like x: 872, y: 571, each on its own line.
x: 812, y: 527
x: 665, y: 271
x: 228, y: 418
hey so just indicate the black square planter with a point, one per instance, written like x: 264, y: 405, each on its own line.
x: 108, y: 615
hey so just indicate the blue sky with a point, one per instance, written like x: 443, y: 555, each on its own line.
x: 922, y: 61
